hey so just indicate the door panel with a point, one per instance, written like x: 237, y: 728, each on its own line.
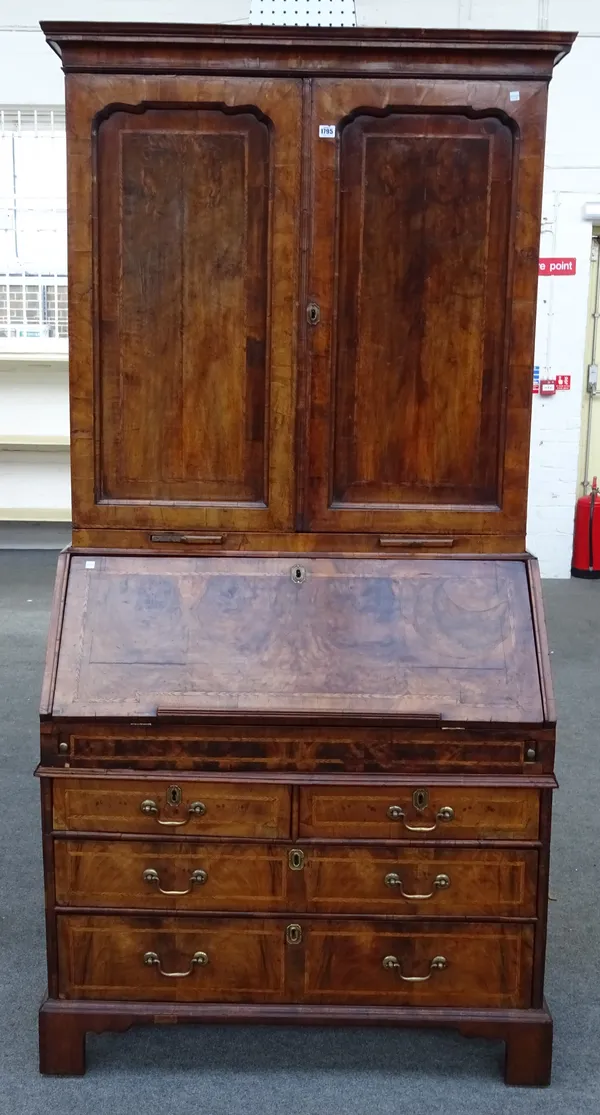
x: 196, y: 205
x: 411, y: 426
x: 184, y: 305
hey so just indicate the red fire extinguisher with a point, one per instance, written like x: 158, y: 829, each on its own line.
x: 586, y: 543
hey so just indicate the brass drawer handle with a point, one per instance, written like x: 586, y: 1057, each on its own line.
x: 396, y: 813
x: 437, y: 965
x: 152, y: 876
x: 441, y: 882
x: 196, y: 809
x: 199, y: 959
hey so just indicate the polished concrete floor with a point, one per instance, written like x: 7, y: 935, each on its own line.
x: 245, y: 1071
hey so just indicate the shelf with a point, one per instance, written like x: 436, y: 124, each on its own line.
x: 34, y: 441
x: 44, y: 350
x: 35, y: 514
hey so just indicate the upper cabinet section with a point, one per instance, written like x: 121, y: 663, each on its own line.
x: 288, y: 335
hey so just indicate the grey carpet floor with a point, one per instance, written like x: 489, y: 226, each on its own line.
x: 250, y: 1070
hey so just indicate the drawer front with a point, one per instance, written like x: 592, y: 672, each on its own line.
x: 430, y: 882
x: 154, y: 959
x: 195, y: 876
x: 192, y: 960
x: 441, y: 813
x: 205, y: 809
x: 172, y: 875
x: 314, y: 749
x: 424, y: 964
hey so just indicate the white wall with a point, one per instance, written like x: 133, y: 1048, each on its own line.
x: 30, y: 73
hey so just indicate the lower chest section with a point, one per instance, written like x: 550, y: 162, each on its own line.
x: 341, y: 889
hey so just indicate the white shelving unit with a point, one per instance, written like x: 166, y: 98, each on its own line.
x: 34, y: 436
x: 34, y: 392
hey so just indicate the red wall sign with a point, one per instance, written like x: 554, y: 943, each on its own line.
x: 558, y: 265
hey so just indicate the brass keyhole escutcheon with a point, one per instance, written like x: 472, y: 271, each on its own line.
x: 293, y: 934
x: 420, y: 800
x: 296, y: 859
x: 298, y: 574
x: 313, y: 313
x: 174, y: 795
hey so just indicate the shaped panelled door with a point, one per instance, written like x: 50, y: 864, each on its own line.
x: 194, y: 373
x: 416, y: 412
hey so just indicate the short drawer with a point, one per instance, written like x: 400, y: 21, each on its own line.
x: 404, y: 813
x: 429, y: 882
x: 433, y: 964
x: 171, y: 959
x: 172, y: 875
x: 160, y: 806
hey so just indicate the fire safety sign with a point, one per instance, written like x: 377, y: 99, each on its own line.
x: 558, y: 265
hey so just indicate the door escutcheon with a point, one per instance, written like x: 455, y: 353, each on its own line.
x: 296, y: 859
x: 313, y: 313
x: 293, y: 934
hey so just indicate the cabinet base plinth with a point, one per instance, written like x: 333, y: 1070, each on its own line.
x: 526, y: 1033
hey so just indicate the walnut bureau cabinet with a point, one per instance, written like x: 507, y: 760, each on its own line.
x: 297, y: 726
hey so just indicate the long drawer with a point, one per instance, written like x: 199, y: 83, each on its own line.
x: 404, y: 813
x: 303, y: 748
x: 158, y: 806
x: 172, y: 875
x: 273, y: 960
